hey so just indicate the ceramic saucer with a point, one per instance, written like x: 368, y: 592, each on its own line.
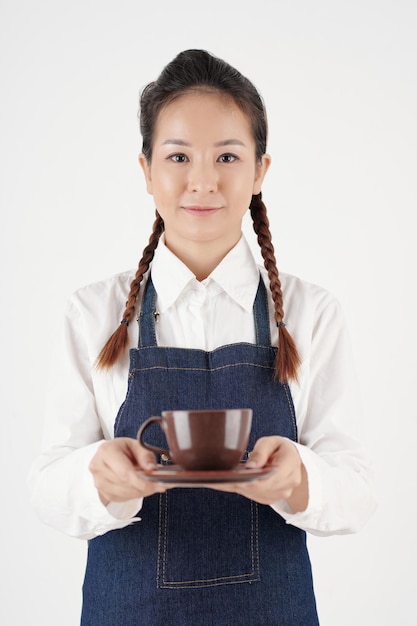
x: 175, y: 474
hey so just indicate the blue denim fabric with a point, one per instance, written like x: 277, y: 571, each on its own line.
x: 201, y: 557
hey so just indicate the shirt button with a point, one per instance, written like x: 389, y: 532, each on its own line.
x: 164, y: 457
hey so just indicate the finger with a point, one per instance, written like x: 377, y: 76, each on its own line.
x: 114, y: 464
x: 120, y: 464
x: 263, y: 450
x: 128, y: 457
x: 134, y: 487
x: 145, y: 459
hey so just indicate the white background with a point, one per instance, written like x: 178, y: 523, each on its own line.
x: 339, y: 81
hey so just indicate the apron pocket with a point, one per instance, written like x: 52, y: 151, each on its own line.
x: 206, y: 538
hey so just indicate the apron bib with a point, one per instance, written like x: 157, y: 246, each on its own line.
x: 200, y: 557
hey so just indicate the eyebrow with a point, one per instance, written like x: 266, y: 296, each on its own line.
x: 218, y: 144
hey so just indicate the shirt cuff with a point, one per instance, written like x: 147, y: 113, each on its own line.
x: 89, y: 517
x: 125, y: 510
x: 112, y: 516
x: 309, y: 518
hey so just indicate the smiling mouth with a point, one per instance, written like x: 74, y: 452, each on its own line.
x: 201, y: 210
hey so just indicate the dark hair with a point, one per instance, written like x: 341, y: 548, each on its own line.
x: 197, y: 70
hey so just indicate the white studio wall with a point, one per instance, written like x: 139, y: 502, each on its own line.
x: 339, y: 81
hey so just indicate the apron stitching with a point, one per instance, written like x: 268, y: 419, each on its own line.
x: 204, y: 583
x: 290, y: 406
x: 165, y: 535
x: 219, y: 349
x: 200, y: 369
x: 221, y: 579
x: 255, y: 539
x: 159, y: 540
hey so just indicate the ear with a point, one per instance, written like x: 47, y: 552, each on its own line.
x: 261, y: 170
x: 146, y: 168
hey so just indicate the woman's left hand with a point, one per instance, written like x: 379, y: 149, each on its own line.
x: 287, y: 482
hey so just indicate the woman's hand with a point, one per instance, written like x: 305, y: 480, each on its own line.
x: 288, y: 481
x: 115, y: 468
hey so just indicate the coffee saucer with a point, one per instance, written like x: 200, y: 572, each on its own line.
x: 177, y: 475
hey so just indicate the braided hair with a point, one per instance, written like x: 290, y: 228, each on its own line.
x: 198, y: 70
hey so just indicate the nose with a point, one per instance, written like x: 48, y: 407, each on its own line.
x: 203, y: 177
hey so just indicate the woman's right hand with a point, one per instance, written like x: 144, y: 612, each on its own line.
x: 116, y: 470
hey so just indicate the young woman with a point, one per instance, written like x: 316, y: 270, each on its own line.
x: 210, y: 333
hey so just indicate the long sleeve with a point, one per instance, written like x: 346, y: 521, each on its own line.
x: 329, y: 416
x: 62, y: 487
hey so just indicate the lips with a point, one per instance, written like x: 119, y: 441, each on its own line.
x: 201, y: 210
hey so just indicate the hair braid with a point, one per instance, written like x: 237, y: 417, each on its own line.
x: 288, y: 359
x: 116, y: 344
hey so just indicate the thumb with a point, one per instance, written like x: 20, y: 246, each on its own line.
x: 263, y: 450
x: 144, y: 458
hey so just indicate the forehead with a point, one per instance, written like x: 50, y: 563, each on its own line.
x: 205, y: 113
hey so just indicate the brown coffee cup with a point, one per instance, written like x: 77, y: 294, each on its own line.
x: 202, y: 440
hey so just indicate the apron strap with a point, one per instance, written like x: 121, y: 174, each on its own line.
x: 261, y: 316
x: 148, y: 314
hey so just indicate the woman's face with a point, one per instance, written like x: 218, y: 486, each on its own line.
x: 203, y: 171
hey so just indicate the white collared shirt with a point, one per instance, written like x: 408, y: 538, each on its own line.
x: 82, y: 401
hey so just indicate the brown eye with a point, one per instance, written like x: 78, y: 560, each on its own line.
x: 178, y: 158
x: 227, y: 158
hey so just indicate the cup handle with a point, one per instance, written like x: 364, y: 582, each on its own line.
x: 152, y: 420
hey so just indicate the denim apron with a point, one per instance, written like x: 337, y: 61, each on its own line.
x: 201, y: 557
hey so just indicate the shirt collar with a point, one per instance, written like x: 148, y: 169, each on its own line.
x: 237, y: 274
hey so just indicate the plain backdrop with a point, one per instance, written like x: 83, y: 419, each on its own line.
x: 339, y: 81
